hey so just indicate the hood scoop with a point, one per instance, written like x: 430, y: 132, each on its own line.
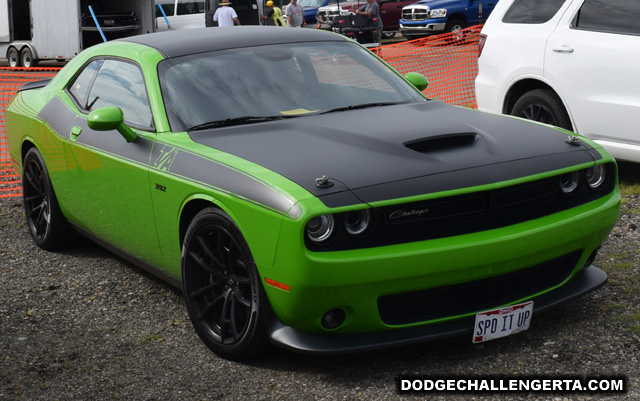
x: 441, y: 142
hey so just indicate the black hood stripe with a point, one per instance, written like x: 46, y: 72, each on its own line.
x: 366, y: 152
x: 168, y: 159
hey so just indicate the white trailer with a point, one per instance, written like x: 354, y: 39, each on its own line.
x: 34, y: 30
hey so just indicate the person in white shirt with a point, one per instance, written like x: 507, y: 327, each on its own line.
x: 225, y: 15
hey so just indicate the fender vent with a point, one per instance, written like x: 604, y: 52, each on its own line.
x: 439, y: 143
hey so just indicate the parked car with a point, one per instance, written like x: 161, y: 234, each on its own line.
x: 322, y: 214
x: 181, y: 14
x: 432, y: 17
x: 570, y: 63
x: 389, y: 13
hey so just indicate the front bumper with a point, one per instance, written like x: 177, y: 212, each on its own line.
x: 289, y: 338
x: 424, y: 28
x: 360, y: 281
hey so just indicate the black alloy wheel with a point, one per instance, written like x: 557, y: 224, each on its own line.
x: 221, y: 286
x: 544, y: 106
x: 47, y: 225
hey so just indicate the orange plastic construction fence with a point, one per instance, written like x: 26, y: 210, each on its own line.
x: 11, y: 79
x: 449, y: 61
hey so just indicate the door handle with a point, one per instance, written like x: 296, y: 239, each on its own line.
x: 563, y: 49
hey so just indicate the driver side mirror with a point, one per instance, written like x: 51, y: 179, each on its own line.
x: 110, y: 118
x: 418, y: 80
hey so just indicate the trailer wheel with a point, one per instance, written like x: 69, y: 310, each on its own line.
x: 26, y: 56
x: 13, y: 57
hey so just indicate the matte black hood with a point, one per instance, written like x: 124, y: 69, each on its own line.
x: 396, y: 151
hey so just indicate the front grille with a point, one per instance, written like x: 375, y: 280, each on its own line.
x: 475, y: 296
x: 328, y: 15
x: 415, y: 14
x: 465, y: 214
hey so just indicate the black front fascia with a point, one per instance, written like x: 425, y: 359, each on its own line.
x: 464, y: 214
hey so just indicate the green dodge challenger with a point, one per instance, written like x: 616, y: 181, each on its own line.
x: 301, y: 192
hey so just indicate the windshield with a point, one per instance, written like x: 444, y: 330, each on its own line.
x: 290, y: 80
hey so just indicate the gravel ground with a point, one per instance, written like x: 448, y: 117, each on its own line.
x: 85, y: 325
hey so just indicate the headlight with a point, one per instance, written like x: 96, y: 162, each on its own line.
x: 438, y: 13
x: 596, y: 176
x: 569, y: 182
x: 357, y: 222
x: 320, y: 228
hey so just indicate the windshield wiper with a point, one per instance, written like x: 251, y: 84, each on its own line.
x: 361, y: 106
x: 236, y: 121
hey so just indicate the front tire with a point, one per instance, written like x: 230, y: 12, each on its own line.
x: 544, y: 106
x: 455, y: 29
x: 221, y: 286
x: 47, y: 225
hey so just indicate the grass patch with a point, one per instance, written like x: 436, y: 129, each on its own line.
x: 153, y: 337
x: 629, y: 178
x: 622, y: 266
x: 612, y: 306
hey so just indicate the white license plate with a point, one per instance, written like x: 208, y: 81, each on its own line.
x: 502, y: 322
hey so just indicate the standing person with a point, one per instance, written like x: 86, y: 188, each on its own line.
x: 372, y: 11
x: 295, y: 14
x: 273, y: 13
x: 225, y: 15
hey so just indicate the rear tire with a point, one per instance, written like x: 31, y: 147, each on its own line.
x: 26, y: 57
x: 47, y: 225
x: 221, y: 286
x: 13, y: 57
x: 544, y: 106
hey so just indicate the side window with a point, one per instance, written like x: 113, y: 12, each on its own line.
x: 167, y: 5
x: 186, y: 7
x: 120, y: 84
x: 532, y: 12
x: 79, y: 89
x: 622, y: 16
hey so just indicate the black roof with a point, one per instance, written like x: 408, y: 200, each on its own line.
x: 189, y: 41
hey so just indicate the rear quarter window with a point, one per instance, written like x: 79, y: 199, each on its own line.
x: 621, y: 16
x: 532, y: 12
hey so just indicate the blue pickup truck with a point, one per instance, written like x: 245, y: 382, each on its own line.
x: 431, y: 17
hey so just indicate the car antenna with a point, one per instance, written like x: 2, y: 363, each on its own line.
x: 327, y: 182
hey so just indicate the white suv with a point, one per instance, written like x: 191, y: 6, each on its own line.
x: 570, y: 63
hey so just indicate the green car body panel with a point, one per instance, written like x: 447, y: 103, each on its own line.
x: 146, y: 200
